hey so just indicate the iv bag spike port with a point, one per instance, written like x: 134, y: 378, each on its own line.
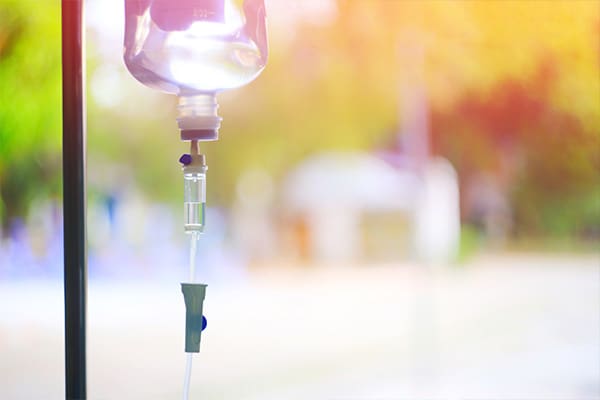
x: 194, y: 149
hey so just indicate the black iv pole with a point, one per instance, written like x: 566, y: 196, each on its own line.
x: 74, y: 198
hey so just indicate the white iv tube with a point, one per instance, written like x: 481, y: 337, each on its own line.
x: 194, y: 237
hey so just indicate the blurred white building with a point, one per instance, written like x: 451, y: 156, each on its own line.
x: 353, y: 207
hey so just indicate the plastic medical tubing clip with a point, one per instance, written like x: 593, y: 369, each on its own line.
x: 193, y: 295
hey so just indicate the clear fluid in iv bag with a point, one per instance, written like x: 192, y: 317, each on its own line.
x: 187, y: 47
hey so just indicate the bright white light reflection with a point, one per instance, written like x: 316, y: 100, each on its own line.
x: 206, y: 67
x: 106, y: 86
x: 144, y: 21
x: 106, y: 18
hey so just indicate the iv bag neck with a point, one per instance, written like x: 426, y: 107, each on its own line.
x: 198, y: 118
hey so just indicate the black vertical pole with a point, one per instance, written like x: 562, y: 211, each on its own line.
x: 74, y: 197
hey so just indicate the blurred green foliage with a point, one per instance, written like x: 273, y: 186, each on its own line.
x: 30, y: 103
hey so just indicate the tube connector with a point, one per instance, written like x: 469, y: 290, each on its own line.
x: 193, y: 295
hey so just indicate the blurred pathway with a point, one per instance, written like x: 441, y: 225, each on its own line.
x: 504, y: 327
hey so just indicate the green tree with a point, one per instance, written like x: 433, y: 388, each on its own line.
x: 30, y: 103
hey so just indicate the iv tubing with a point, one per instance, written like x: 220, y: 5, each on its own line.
x: 188, y: 375
x: 195, y: 236
x: 192, y: 277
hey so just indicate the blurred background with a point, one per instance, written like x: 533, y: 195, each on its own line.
x: 405, y: 204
